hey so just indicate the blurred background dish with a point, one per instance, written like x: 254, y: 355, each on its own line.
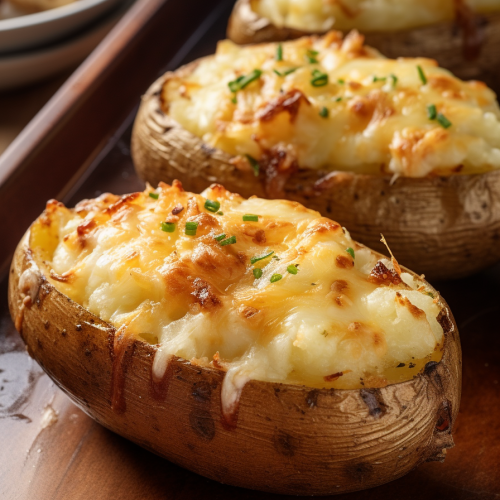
x: 26, y: 67
x: 21, y: 32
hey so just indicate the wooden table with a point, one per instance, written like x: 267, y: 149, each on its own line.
x: 19, y: 106
x: 49, y: 449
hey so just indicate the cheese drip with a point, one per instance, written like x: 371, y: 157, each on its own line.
x: 325, y: 312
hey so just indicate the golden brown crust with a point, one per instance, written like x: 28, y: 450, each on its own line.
x: 284, y: 429
x: 444, y: 227
x: 444, y: 42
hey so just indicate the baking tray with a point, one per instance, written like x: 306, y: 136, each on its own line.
x: 77, y: 147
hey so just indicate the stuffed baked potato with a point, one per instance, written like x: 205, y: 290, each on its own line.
x: 251, y: 341
x: 400, y: 147
x: 462, y: 35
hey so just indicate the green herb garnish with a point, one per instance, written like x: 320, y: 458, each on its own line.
x: 432, y: 111
x: 324, y: 112
x: 319, y: 79
x: 341, y: 81
x: 275, y: 278
x: 292, y: 269
x: 253, y: 260
x: 220, y: 212
x: 241, y: 82
x: 257, y: 273
x: 338, y: 99
x: 394, y: 79
x: 443, y: 121
x: 286, y: 72
x: 279, y: 52
x: 350, y: 251
x: 250, y: 218
x: 155, y: 196
x: 168, y: 227
x: 311, y: 56
x: 220, y: 237
x: 379, y: 79
x: 191, y: 228
x: 254, y: 164
x: 212, y: 205
x: 229, y: 241
x: 421, y: 74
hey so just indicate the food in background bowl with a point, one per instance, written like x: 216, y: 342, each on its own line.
x: 15, y: 8
x: 251, y: 341
x: 400, y: 146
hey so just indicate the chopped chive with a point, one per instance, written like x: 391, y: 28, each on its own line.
x: 276, y: 257
x: 279, y: 52
x: 234, y: 86
x: 319, y: 79
x: 168, y: 227
x: 229, y: 241
x: 212, y: 205
x: 292, y: 269
x: 432, y: 111
x: 155, y: 196
x: 341, y: 81
x: 220, y: 212
x: 257, y: 273
x: 191, y: 228
x: 241, y: 82
x: 421, y: 74
x: 234, y: 100
x: 220, y: 237
x: 311, y: 56
x: 286, y: 72
x: 430, y: 294
x: 253, y: 260
x: 379, y: 79
x: 394, y: 79
x: 338, y: 99
x: 443, y: 121
x: 324, y: 112
x: 275, y: 278
x: 254, y: 164
x: 250, y: 218
x: 350, y: 251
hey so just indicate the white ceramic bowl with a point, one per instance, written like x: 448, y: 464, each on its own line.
x: 34, y: 30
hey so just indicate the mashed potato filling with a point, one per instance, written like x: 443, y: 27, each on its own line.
x: 263, y: 289
x: 365, y: 15
x: 329, y: 103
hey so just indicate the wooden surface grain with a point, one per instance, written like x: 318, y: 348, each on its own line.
x: 72, y: 457
x: 76, y: 458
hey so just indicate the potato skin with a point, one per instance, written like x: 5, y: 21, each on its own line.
x: 441, y: 41
x: 288, y: 439
x: 443, y: 227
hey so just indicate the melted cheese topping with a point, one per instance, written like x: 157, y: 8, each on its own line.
x: 371, y: 116
x: 334, y: 321
x: 365, y: 15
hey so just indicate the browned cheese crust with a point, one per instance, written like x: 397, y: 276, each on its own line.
x: 444, y: 227
x: 286, y: 439
x: 468, y: 46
